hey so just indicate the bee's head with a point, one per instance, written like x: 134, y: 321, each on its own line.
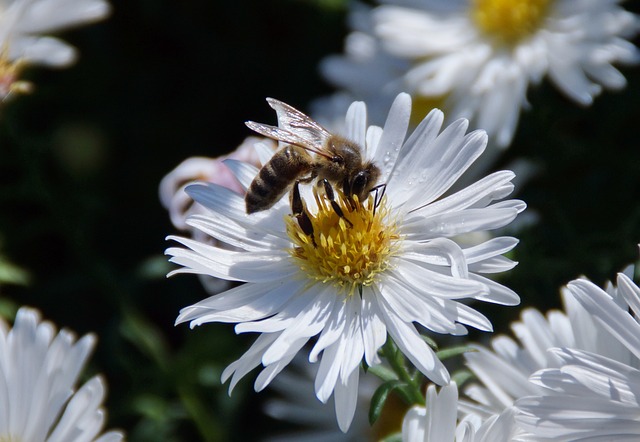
x: 362, y: 181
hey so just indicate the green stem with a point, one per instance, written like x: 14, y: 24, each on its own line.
x: 397, y: 362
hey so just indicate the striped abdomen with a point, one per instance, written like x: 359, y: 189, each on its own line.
x: 275, y: 177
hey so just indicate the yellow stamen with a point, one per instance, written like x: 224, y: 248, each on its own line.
x: 348, y: 255
x: 509, y: 21
x: 10, y: 72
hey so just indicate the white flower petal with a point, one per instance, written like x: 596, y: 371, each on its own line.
x: 442, y: 407
x: 434, y: 284
x: 39, y: 370
x: 484, y: 190
x: 243, y: 171
x: 394, y: 131
x: 457, y: 223
x: 498, y: 294
x: 414, y: 347
x: 328, y: 371
x: 287, y: 353
x: 49, y: 15
x: 236, y: 235
x: 357, y: 116
x: 630, y: 292
x: 331, y: 332
x: 227, y: 264
x: 309, y: 322
x: 609, y: 315
x: 346, y: 399
x: 248, y: 361
x: 413, y: 428
x: 374, y: 332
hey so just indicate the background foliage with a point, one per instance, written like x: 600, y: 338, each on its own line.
x: 81, y: 159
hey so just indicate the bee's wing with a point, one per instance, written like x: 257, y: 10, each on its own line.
x: 278, y: 133
x: 294, y: 121
x: 294, y: 128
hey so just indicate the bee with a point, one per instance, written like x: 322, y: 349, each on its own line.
x: 336, y: 161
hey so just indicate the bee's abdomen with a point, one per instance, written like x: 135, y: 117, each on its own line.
x: 274, y: 179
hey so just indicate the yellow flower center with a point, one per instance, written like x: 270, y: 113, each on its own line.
x: 509, y: 21
x: 349, y: 252
x: 422, y: 105
x: 9, y: 73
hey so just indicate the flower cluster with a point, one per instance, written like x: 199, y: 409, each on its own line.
x: 358, y: 246
x: 477, y: 58
x: 354, y: 243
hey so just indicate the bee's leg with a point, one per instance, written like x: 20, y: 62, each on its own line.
x: 377, y: 199
x: 328, y: 190
x: 299, y: 210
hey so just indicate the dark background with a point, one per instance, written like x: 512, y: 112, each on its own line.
x: 81, y: 159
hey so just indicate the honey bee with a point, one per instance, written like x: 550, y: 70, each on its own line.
x: 337, y: 161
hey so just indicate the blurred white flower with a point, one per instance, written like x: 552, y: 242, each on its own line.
x: 38, y: 373
x: 477, y: 58
x: 351, y: 285
x: 212, y: 170
x: 297, y: 404
x: 439, y: 422
x: 592, y: 395
x: 22, y: 25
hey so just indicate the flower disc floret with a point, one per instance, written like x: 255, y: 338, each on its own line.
x: 351, y: 251
x: 509, y: 21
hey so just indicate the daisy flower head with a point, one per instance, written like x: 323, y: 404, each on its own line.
x: 38, y: 372
x: 349, y: 266
x: 22, y: 25
x: 438, y: 421
x: 504, y: 370
x: 479, y: 57
x: 592, y: 395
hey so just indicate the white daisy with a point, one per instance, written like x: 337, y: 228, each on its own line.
x: 480, y: 56
x: 351, y: 284
x: 438, y: 421
x: 592, y: 395
x: 22, y: 25
x: 38, y: 373
x: 504, y: 370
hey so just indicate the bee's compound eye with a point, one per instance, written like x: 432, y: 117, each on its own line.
x: 359, y: 183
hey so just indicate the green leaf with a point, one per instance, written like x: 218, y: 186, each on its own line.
x: 430, y: 342
x: 461, y: 377
x: 397, y: 437
x: 384, y: 373
x: 12, y: 274
x: 380, y: 397
x: 454, y: 351
x: 145, y: 336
